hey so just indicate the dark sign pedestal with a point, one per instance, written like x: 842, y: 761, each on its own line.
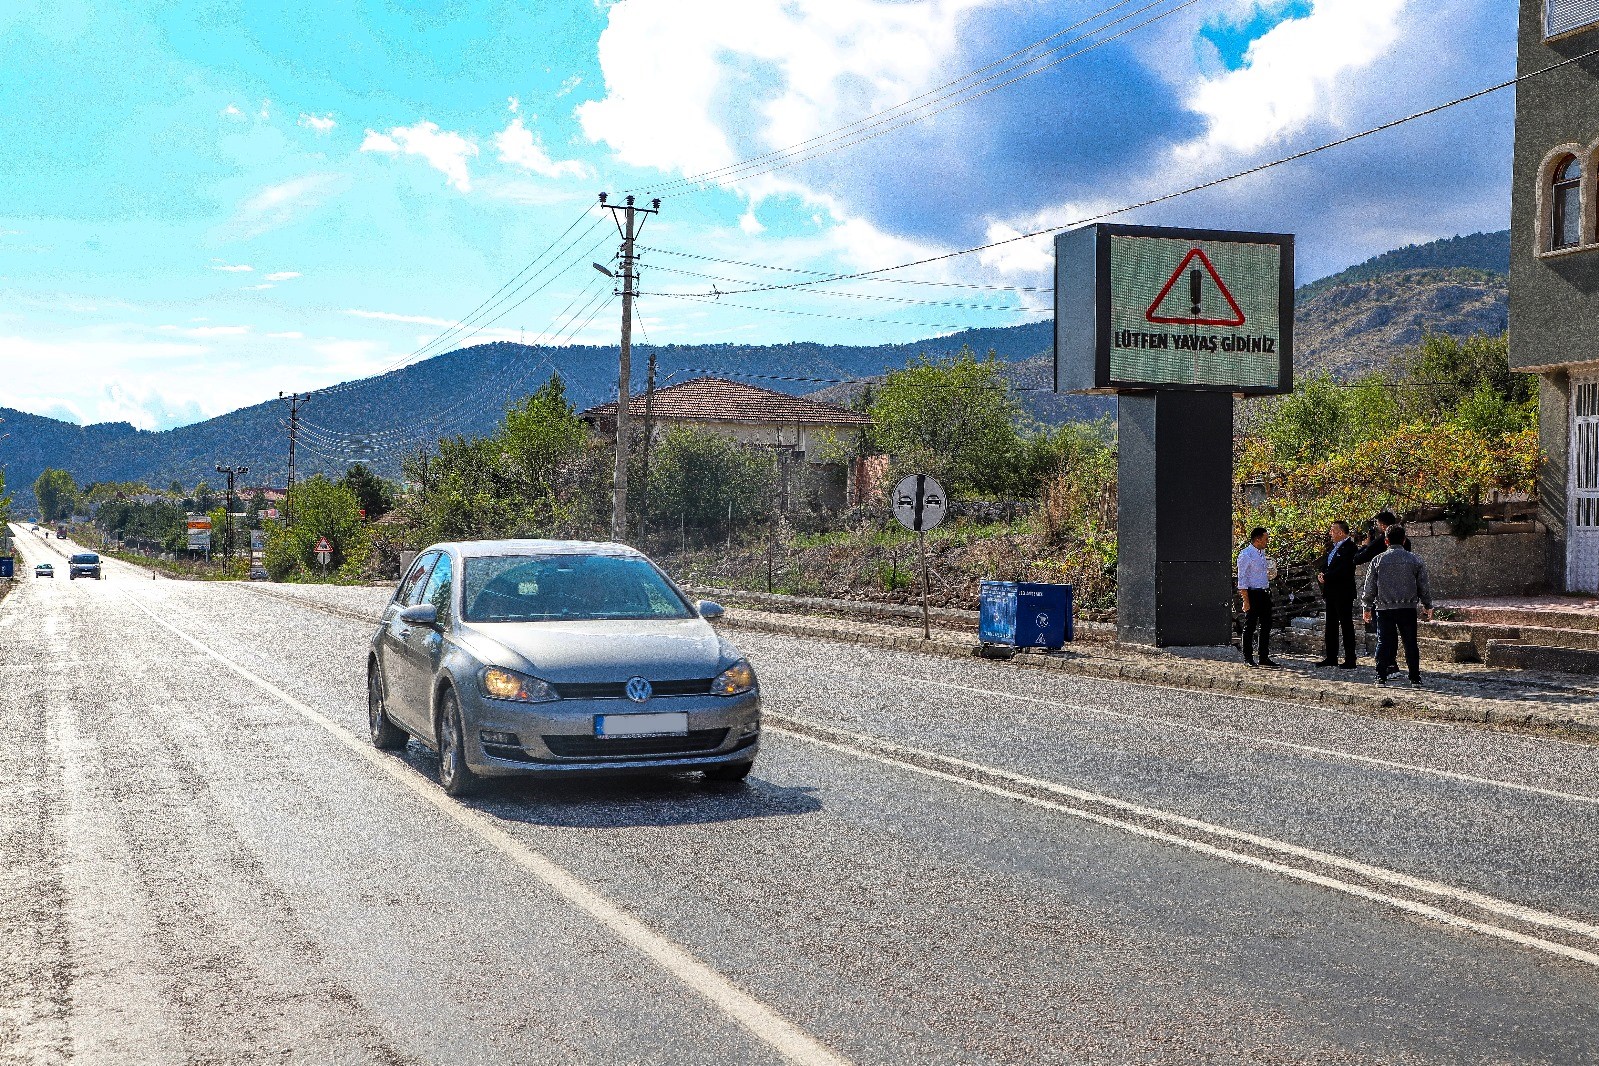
x: 1174, y: 570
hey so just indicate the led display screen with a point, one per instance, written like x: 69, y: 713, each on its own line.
x: 1141, y: 308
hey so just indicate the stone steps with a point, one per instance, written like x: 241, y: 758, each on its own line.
x: 1515, y: 655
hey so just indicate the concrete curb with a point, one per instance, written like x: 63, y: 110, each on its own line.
x: 1179, y: 674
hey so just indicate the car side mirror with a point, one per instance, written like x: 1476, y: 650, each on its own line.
x: 709, y: 610
x: 421, y: 614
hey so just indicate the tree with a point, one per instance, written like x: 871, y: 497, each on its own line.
x: 953, y: 417
x: 374, y: 495
x: 57, y: 495
x: 5, y: 501
x: 702, y: 478
x: 321, y: 508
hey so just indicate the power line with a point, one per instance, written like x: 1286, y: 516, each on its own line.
x: 1212, y: 183
x: 813, y: 314
x: 869, y: 296
x: 828, y: 273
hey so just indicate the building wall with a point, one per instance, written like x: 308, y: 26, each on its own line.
x: 1554, y: 298
x: 1506, y: 562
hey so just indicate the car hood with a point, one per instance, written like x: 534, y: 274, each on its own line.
x: 676, y: 649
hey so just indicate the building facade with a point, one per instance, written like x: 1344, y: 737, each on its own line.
x: 1554, y: 271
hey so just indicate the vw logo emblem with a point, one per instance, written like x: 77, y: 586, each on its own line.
x: 638, y: 689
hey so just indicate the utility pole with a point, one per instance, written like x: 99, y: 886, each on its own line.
x: 227, y: 500
x: 628, y: 225
x: 295, y: 400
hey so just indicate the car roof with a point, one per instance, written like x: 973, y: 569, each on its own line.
x: 475, y: 549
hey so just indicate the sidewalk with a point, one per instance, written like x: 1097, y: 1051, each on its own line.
x: 1464, y: 692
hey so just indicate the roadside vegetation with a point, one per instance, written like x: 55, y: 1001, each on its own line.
x: 1437, y: 436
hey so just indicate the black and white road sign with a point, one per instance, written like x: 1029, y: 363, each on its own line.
x: 919, y: 503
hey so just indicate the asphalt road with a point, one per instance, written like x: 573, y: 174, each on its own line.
x: 934, y: 862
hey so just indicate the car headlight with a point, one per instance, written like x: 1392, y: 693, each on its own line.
x: 509, y: 685
x: 736, y: 679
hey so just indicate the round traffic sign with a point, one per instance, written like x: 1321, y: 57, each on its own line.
x: 919, y: 502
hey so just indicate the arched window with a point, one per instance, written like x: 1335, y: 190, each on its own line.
x: 1567, y: 202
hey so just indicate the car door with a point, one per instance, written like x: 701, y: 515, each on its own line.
x: 395, y: 634
x: 420, y: 648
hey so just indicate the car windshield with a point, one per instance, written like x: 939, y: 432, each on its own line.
x: 540, y: 588
x: 87, y: 558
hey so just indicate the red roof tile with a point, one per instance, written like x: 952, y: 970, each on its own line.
x: 719, y: 400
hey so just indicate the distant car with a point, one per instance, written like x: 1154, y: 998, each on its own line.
x: 259, y: 574
x: 83, y: 564
x: 44, y: 570
x: 547, y: 657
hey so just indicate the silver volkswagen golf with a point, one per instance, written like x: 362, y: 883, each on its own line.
x: 538, y: 656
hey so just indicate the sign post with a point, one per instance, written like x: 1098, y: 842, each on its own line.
x: 920, y: 505
x: 1175, y: 322
x: 324, y: 554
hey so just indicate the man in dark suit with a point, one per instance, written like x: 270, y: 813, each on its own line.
x: 1376, y: 538
x: 1336, y: 575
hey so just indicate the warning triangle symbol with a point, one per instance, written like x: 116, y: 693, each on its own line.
x: 1183, y: 307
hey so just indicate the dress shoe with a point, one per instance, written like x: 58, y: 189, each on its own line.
x: 1268, y: 662
x: 1350, y: 665
x: 1249, y: 660
x: 1325, y: 662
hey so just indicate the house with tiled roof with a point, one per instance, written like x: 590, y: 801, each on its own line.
x: 796, y: 427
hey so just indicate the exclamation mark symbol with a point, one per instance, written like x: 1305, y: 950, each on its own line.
x: 1193, y: 290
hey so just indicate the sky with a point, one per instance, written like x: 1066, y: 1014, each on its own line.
x: 209, y: 203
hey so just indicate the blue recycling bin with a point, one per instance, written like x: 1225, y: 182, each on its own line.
x: 1024, y: 614
x: 7, y: 566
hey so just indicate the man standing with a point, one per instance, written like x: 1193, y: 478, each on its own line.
x: 1337, y: 579
x: 1398, y: 592
x: 1254, y: 585
x: 1376, y: 538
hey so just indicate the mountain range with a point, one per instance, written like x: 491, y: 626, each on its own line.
x: 1348, y: 323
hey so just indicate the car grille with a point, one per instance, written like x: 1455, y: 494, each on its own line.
x: 615, y: 690
x: 697, y: 742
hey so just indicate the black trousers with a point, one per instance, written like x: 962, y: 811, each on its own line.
x: 1392, y: 627
x: 1258, y: 617
x: 1340, y: 621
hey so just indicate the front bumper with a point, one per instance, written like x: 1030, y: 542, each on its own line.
x: 84, y: 571
x: 558, y: 737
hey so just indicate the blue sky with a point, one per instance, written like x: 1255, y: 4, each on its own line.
x: 207, y: 203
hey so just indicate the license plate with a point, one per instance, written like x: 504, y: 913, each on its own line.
x: 674, y: 724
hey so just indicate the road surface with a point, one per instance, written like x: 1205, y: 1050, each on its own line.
x: 934, y: 862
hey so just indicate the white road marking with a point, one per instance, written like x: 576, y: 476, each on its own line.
x: 1312, y: 749
x: 783, y: 1036
x: 871, y: 748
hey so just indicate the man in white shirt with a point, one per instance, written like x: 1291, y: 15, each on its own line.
x: 1254, y: 585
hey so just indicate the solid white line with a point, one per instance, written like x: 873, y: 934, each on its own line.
x: 1312, y: 749
x: 1517, y: 911
x: 787, y: 1039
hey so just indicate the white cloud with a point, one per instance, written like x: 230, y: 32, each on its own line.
x: 443, y: 150
x: 568, y: 85
x: 232, y: 268
x: 207, y: 331
x: 672, y: 65
x: 263, y: 285
x: 1291, y: 77
x: 281, y: 203
x: 521, y: 147
x: 389, y: 316
x: 320, y: 123
x: 512, y: 103
x: 287, y: 335
x: 283, y: 275
x: 232, y: 111
x: 266, y: 110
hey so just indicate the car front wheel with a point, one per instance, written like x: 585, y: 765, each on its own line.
x: 454, y: 774
x: 385, y: 734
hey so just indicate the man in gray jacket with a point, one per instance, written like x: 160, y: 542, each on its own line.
x: 1396, y: 590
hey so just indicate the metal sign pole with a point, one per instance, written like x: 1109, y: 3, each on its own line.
x: 921, y: 547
